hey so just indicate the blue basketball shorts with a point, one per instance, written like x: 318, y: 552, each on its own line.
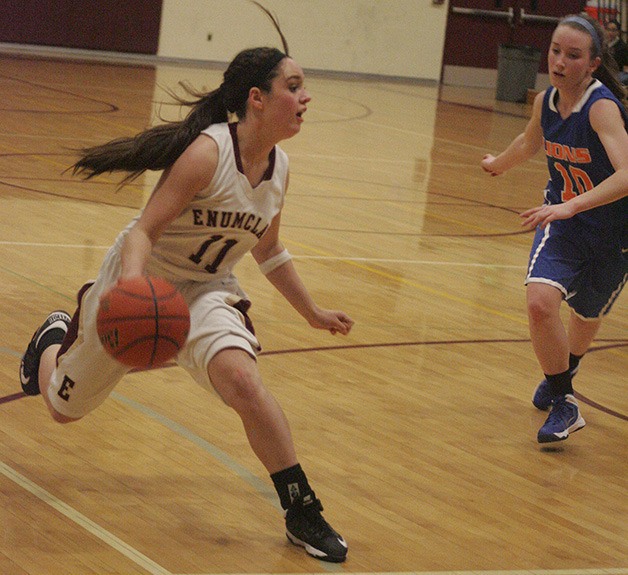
x: 589, y: 266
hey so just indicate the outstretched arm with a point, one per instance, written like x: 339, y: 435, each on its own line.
x: 284, y: 276
x: 522, y: 148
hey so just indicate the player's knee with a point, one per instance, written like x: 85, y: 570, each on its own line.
x: 60, y: 417
x: 540, y: 308
x: 245, y: 391
x: 543, y: 302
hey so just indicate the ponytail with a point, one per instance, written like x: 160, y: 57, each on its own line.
x: 158, y: 147
x: 608, y: 73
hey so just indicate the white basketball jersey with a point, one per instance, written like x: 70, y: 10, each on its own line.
x: 224, y: 221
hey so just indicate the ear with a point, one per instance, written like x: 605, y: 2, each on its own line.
x: 255, y: 98
x: 595, y: 63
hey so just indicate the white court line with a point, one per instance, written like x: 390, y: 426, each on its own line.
x: 87, y: 524
x: 410, y: 262
x: 155, y: 569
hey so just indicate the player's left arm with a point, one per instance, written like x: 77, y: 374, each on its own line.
x: 285, y: 278
x: 608, y: 123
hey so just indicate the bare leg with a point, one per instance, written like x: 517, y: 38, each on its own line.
x: 581, y: 333
x: 552, y: 346
x: 47, y: 364
x: 236, y: 378
x: 548, y: 335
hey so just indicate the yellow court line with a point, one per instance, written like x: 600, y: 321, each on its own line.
x: 423, y: 288
x: 44, y: 159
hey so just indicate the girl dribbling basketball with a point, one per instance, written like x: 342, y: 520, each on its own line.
x: 220, y: 196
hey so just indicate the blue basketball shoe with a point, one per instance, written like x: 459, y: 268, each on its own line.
x: 564, y: 418
x: 542, y: 398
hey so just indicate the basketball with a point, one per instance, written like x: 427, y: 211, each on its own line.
x: 143, y: 322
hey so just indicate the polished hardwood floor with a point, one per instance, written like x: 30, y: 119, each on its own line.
x: 416, y: 430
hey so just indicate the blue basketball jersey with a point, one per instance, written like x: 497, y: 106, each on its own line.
x: 576, y: 157
x: 583, y: 256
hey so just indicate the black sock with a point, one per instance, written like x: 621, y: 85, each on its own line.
x: 560, y: 383
x: 290, y: 484
x: 574, y: 362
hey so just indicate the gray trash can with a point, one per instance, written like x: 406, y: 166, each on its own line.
x: 517, y: 67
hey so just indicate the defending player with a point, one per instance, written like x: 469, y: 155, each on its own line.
x: 581, y: 123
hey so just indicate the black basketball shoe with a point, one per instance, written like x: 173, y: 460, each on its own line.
x: 52, y: 331
x: 306, y: 527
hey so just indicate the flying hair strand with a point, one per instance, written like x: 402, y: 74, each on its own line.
x: 275, y: 22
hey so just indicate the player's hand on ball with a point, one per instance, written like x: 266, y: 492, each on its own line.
x: 143, y: 321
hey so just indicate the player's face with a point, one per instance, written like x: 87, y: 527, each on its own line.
x: 569, y: 58
x: 287, y: 101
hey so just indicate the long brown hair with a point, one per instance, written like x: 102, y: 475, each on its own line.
x: 157, y: 148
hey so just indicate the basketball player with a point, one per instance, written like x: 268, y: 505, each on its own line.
x: 543, y: 215
x: 220, y: 196
x: 580, y: 121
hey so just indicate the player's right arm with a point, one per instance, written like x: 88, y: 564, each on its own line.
x: 522, y: 148
x: 191, y: 173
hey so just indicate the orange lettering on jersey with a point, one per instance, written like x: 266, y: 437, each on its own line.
x: 582, y: 179
x: 558, y: 151
x: 570, y: 154
x: 568, y: 191
x: 563, y: 152
x: 583, y: 156
x: 571, y: 175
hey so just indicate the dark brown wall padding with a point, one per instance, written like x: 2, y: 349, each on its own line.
x: 109, y: 25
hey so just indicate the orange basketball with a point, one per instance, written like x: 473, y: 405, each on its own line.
x: 143, y: 322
